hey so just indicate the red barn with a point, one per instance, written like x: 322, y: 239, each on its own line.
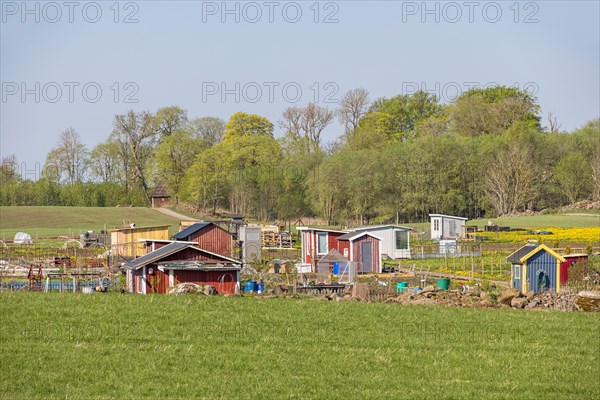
x: 570, y: 259
x: 179, y: 262
x: 316, y: 243
x: 209, y: 236
x: 362, y: 248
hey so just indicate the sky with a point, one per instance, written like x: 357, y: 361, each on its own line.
x: 79, y: 63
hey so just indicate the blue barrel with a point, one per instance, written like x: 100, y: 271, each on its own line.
x: 250, y: 287
x: 336, y: 268
x: 260, y: 288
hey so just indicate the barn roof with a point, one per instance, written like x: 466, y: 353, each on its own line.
x: 170, y: 249
x: 191, y: 230
x: 159, y: 190
x: 333, y: 256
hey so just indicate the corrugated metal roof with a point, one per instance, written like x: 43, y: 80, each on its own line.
x: 164, y: 251
x: 195, y: 266
x: 378, y: 227
x: 515, y: 257
x: 191, y: 230
x: 356, y: 234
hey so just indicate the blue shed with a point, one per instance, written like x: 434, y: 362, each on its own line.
x: 535, y: 267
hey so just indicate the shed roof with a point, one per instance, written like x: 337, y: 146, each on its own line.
x: 333, y: 256
x: 530, y: 249
x: 168, y: 250
x: 308, y: 228
x: 380, y: 227
x: 448, y: 216
x: 191, y: 230
x: 195, y: 266
x: 356, y: 234
x: 129, y: 228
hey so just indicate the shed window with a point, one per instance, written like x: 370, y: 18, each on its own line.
x: 517, y: 271
x: 401, y: 240
x: 436, y: 224
x: 322, y: 247
x: 140, y: 283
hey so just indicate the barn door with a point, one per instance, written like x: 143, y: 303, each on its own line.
x: 366, y: 257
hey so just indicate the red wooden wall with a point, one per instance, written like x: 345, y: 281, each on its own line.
x: 374, y: 252
x: 213, y: 239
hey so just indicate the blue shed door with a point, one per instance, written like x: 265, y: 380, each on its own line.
x: 366, y: 257
x: 541, y: 272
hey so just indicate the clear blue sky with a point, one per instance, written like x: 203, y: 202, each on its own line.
x: 181, y: 53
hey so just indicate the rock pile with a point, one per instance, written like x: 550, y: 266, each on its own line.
x: 192, y: 288
x: 585, y: 301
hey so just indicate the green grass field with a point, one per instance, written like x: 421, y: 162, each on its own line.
x: 132, y: 346
x: 51, y: 221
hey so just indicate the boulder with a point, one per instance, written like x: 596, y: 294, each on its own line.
x: 519, y: 302
x: 588, y: 301
x: 530, y: 295
x: 507, y: 296
x: 427, y: 289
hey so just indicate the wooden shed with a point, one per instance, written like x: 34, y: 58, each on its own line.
x: 395, y: 239
x: 126, y: 241
x: 209, y: 236
x: 537, y: 268
x: 447, y: 226
x: 362, y: 248
x: 160, y: 197
x: 177, y: 263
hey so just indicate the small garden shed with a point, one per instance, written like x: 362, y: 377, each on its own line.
x: 364, y: 249
x: 177, y: 263
x: 536, y: 267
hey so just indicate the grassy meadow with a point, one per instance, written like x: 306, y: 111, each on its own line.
x: 131, y: 347
x: 52, y: 221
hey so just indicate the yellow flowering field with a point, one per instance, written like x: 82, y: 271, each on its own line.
x: 589, y: 235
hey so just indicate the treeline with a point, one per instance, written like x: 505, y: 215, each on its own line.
x: 398, y: 159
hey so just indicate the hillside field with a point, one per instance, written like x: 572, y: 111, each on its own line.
x: 131, y: 346
x: 52, y: 221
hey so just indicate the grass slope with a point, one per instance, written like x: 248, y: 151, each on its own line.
x: 61, y: 220
x: 133, y: 346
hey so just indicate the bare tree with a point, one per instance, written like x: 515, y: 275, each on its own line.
x: 510, y: 182
x: 292, y: 121
x: 553, y: 122
x: 353, y: 106
x: 69, y: 158
x: 136, y: 138
x: 209, y: 130
x: 309, y: 122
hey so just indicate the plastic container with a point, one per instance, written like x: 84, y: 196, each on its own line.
x: 336, y: 268
x: 250, y: 287
x: 260, y: 288
x: 400, y: 286
x: 443, y: 283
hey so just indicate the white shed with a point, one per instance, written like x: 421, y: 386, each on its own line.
x: 395, y: 240
x: 447, y: 226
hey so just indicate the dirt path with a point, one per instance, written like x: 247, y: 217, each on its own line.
x: 174, y: 214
